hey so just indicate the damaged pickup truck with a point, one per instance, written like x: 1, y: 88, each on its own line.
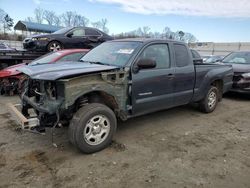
x: 119, y: 79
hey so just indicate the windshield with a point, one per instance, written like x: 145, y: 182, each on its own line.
x: 62, y: 31
x: 48, y: 58
x: 238, y: 58
x: 213, y: 59
x: 112, y: 53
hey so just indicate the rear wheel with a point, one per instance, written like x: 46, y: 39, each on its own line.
x: 92, y: 128
x: 209, y: 103
x: 54, y: 46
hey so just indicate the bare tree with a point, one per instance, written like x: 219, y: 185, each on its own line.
x: 139, y: 32
x: 96, y: 24
x: 2, y: 15
x: 188, y: 37
x: 155, y: 34
x: 79, y: 20
x: 102, y: 25
x: 49, y: 16
x: 67, y: 18
x: 39, y: 15
x: 29, y: 19
x: 181, y: 35
x: 57, y: 21
x: 166, y: 33
x: 8, y: 22
x: 145, y: 30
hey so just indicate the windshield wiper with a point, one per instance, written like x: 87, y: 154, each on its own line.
x: 95, y: 62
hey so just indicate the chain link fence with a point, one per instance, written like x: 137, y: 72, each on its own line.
x: 210, y: 48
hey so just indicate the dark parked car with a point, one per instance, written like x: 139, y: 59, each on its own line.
x: 73, y: 37
x: 196, y: 56
x: 118, y: 79
x: 205, y: 57
x: 214, y: 59
x: 241, y: 66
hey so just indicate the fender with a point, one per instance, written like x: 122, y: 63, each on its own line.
x: 112, y: 83
x: 202, y: 87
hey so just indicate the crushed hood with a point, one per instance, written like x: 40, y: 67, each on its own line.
x: 63, y: 70
x: 241, y: 68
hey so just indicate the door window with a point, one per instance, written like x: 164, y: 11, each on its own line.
x: 159, y: 53
x: 195, y: 54
x: 181, y: 55
x: 78, y: 33
x: 92, y: 32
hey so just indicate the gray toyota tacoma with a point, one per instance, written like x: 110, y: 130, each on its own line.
x: 119, y: 79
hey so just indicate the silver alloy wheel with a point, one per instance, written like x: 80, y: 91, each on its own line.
x: 212, y: 99
x: 96, y: 130
x: 54, y: 47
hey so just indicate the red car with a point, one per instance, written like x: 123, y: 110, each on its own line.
x: 11, y: 78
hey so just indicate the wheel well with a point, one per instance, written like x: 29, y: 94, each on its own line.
x: 219, y: 85
x: 99, y: 97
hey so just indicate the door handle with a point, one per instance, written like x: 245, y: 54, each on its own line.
x: 170, y: 76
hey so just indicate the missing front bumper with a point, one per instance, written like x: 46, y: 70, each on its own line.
x: 28, y: 124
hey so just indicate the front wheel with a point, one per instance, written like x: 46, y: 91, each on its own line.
x: 209, y: 103
x: 92, y: 128
x: 54, y: 46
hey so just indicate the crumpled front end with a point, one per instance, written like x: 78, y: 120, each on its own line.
x: 46, y: 99
x: 241, y: 83
x: 10, y: 85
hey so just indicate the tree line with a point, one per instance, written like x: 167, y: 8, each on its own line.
x: 67, y: 19
x: 166, y: 33
x: 6, y: 22
x: 72, y: 19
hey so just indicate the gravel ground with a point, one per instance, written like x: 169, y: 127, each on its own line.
x: 180, y: 147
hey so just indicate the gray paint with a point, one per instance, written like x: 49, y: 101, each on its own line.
x: 56, y: 71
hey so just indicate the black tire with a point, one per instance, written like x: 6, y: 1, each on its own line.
x: 54, y: 46
x: 79, y: 123
x: 206, y: 105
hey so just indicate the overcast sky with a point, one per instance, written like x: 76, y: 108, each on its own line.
x: 208, y: 20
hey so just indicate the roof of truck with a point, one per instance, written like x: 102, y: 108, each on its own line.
x: 145, y: 40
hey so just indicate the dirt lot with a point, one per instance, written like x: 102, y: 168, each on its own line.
x: 180, y: 147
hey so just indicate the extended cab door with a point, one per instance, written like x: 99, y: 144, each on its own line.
x: 184, y: 74
x: 152, y: 88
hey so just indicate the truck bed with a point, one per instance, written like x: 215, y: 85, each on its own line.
x: 207, y: 71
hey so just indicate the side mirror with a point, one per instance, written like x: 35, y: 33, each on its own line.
x: 69, y: 35
x: 198, y: 60
x: 146, y: 64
